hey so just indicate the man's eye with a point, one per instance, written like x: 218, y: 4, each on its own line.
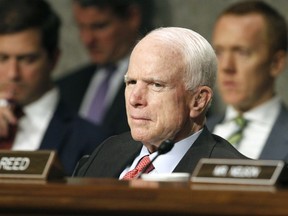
x: 100, y: 26
x: 28, y: 59
x: 157, y: 86
x: 218, y: 52
x: 244, y: 52
x: 3, y: 58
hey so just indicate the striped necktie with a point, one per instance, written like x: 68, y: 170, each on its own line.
x: 140, y: 166
x: 237, y: 136
x: 97, y: 108
x: 7, y: 142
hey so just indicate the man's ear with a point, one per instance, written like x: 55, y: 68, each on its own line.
x: 200, y: 101
x: 278, y: 63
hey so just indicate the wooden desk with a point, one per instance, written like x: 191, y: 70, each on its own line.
x: 113, y: 197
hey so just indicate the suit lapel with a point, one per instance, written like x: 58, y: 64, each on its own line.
x: 201, y: 148
x: 276, y: 146
x: 55, y: 133
x: 101, y: 163
x: 116, y: 110
x: 85, y: 76
x: 128, y: 154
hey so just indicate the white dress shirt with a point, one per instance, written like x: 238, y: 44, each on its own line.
x: 116, y: 81
x: 260, y: 122
x: 33, y: 125
x: 165, y: 163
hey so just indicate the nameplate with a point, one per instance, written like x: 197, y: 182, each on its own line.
x: 234, y: 171
x: 36, y: 165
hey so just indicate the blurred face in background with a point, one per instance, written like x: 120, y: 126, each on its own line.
x: 106, y: 36
x: 25, y: 67
x: 246, y: 69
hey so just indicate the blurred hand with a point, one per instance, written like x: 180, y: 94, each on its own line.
x: 7, y: 117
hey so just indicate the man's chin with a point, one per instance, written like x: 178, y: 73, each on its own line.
x: 233, y: 100
x: 139, y: 135
x: 98, y: 59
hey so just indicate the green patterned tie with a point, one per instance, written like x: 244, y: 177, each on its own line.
x: 236, y: 137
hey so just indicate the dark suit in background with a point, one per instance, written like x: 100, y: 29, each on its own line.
x: 31, y: 52
x: 109, y: 34
x: 71, y: 136
x: 73, y: 89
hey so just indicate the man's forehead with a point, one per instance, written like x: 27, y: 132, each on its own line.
x: 151, y: 47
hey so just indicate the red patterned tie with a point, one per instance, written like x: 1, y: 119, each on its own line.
x: 140, y: 166
x: 7, y: 142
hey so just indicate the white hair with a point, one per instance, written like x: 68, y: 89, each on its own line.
x: 199, y: 57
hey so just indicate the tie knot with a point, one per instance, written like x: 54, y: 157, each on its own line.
x: 240, y: 121
x: 7, y: 142
x: 139, y: 168
x: 142, y: 163
x: 110, y: 69
x: 18, y: 112
x: 237, y: 135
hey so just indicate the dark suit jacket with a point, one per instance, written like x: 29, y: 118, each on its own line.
x: 73, y: 88
x: 117, y: 152
x: 276, y: 146
x: 71, y: 136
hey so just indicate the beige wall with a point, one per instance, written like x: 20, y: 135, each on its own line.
x: 198, y: 15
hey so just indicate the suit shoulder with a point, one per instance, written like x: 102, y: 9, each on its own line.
x: 283, y: 115
x: 77, y: 74
x: 223, y: 149
x: 120, y: 139
x: 116, y: 144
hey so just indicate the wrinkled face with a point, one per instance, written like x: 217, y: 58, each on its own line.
x: 156, y: 100
x: 245, y: 77
x: 106, y: 37
x: 24, y: 66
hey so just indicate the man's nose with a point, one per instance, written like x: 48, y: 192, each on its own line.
x: 137, y: 96
x: 227, y: 63
x: 13, y: 69
x: 88, y: 36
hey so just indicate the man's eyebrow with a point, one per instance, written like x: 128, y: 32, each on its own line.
x: 147, y: 80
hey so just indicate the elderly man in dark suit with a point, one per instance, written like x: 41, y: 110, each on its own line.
x: 169, y: 86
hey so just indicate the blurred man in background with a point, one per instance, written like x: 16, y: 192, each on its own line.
x: 32, y: 114
x: 109, y: 30
x: 250, y: 39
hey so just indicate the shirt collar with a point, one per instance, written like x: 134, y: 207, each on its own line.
x: 44, y: 106
x: 166, y: 163
x: 263, y: 113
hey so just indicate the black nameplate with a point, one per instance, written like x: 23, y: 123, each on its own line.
x: 234, y: 171
x: 36, y: 165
